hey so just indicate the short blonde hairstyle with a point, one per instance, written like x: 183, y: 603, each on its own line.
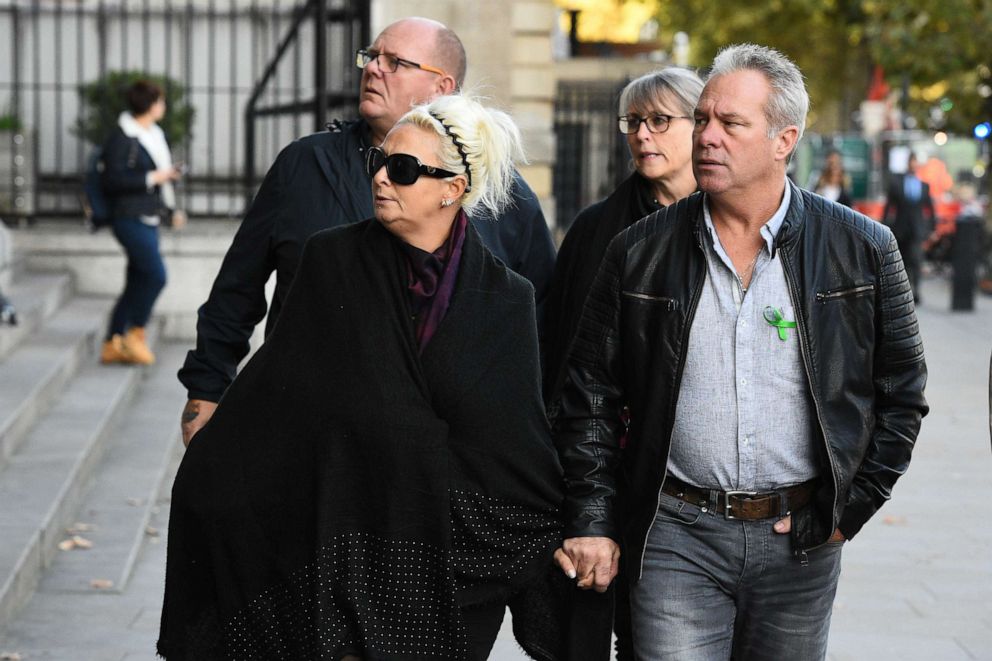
x: 481, y: 142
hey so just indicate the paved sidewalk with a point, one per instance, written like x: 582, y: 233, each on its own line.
x: 916, y: 583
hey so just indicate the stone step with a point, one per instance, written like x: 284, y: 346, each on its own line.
x: 36, y: 296
x: 33, y: 375
x: 115, y: 513
x: 43, y: 484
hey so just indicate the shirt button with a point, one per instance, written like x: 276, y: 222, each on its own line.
x: 743, y: 382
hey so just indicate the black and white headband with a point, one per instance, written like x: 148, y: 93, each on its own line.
x: 459, y: 146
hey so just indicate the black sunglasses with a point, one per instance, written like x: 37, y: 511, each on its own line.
x: 402, y: 169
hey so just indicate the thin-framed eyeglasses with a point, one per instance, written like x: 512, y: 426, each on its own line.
x: 656, y: 122
x: 390, y: 63
x: 402, y: 169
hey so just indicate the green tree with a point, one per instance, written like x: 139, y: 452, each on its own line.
x: 103, y: 100
x: 823, y: 37
x: 938, y: 46
x: 941, y: 46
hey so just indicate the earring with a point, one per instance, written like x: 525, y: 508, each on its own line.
x: 447, y: 202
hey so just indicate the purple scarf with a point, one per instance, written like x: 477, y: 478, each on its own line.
x: 431, y: 280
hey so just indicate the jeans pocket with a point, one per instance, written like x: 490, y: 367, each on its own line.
x: 673, y: 509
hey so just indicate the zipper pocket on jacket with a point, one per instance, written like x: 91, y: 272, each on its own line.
x: 669, y: 303
x: 824, y: 296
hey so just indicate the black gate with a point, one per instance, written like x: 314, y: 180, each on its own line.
x: 591, y: 156
x: 258, y: 74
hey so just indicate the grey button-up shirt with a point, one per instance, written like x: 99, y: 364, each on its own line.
x: 744, y: 418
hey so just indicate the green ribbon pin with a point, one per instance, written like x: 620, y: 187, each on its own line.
x: 775, y: 318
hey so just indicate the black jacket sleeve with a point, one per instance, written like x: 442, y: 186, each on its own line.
x: 588, y: 427
x: 900, y: 375
x: 122, y: 170
x: 535, y: 248
x: 237, y: 299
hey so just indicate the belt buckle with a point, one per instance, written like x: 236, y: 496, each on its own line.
x: 727, y: 495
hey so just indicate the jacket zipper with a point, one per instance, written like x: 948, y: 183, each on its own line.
x: 804, y: 350
x: 843, y: 293
x: 671, y: 302
x: 693, y: 303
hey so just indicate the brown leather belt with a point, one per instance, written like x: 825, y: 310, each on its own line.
x: 742, y: 504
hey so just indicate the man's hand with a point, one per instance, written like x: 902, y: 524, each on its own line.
x: 195, y: 415
x: 783, y: 526
x: 594, y: 561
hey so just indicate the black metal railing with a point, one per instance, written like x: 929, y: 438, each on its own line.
x: 591, y: 155
x: 259, y: 73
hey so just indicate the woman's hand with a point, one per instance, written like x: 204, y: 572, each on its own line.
x: 592, y: 561
x: 179, y: 220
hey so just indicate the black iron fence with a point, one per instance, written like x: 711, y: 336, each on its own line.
x: 258, y: 74
x: 591, y: 155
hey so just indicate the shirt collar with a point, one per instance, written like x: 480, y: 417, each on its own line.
x: 768, y: 231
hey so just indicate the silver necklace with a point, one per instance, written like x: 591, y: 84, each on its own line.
x: 747, y: 273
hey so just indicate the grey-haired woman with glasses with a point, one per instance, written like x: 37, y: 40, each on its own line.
x: 656, y: 115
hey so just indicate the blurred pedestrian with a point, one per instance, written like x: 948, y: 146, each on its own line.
x: 379, y: 482
x: 766, y: 425
x: 8, y: 313
x: 137, y: 180
x: 909, y: 211
x: 656, y: 118
x: 319, y: 182
x: 833, y: 182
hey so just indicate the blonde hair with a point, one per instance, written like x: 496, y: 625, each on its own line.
x: 481, y: 142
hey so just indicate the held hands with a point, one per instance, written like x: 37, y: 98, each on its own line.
x: 592, y: 561
x: 196, y: 413
x: 784, y: 526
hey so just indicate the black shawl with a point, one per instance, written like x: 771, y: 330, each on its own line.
x: 349, y: 493
x: 578, y: 261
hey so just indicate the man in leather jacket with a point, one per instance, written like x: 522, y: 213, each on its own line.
x: 318, y: 182
x: 765, y: 342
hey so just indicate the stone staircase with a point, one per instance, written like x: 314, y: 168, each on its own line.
x: 85, y: 449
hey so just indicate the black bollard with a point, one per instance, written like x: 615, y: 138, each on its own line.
x: 964, y: 261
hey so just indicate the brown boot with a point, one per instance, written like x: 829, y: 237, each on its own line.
x: 136, y: 349
x: 113, y: 351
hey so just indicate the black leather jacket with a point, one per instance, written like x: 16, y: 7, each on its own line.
x: 860, y: 346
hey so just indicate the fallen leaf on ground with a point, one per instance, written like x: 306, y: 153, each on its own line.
x: 77, y: 528
x: 81, y: 542
x: 10, y: 656
x: 894, y: 520
x: 67, y: 545
x: 101, y: 584
x: 151, y: 531
x: 135, y: 502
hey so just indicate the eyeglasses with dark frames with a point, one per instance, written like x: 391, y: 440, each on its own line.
x: 390, y: 63
x: 656, y: 122
x: 402, y: 169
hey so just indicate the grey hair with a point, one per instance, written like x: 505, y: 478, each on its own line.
x: 788, y: 102
x: 676, y: 85
x: 490, y: 141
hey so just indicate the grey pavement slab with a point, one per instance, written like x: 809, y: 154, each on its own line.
x: 36, y: 296
x: 116, y: 512
x: 43, y: 483
x: 33, y: 376
x: 916, y: 583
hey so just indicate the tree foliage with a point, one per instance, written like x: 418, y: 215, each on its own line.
x: 940, y: 45
x: 103, y: 101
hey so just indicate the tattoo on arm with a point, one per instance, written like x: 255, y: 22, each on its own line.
x: 190, y: 413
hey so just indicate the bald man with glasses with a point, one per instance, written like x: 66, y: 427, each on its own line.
x: 318, y: 182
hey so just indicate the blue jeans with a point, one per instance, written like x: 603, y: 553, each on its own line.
x: 713, y: 588
x: 145, y: 274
